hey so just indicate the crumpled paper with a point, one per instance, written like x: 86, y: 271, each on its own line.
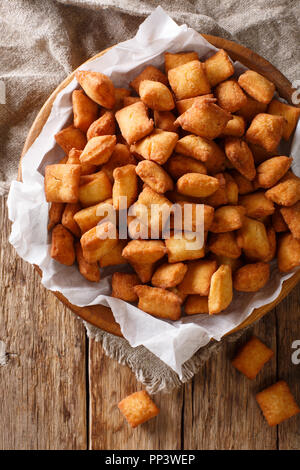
x: 173, y: 342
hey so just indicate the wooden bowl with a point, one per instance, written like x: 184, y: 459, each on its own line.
x: 101, y: 316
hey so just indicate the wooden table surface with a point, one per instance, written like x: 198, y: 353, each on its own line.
x: 59, y: 390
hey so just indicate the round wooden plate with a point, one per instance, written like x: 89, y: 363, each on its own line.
x: 101, y: 316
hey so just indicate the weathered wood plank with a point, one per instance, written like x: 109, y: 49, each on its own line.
x: 109, y: 383
x: 42, y: 387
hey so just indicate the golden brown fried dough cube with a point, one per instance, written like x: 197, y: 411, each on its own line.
x: 85, y: 110
x: 198, y: 277
x: 144, y: 271
x: 272, y: 170
x: 74, y: 159
x: 235, y: 127
x: 291, y: 217
x: 204, y: 119
x: 183, y: 248
x: 55, y: 213
x: 251, y: 277
x: 183, y: 105
x: 196, y: 304
x: 96, y: 190
x: 224, y: 244
x: 244, y: 186
x: 121, y: 156
x: 69, y: 138
x: 266, y: 130
x: 221, y: 291
x: 202, y: 149
x: 219, y: 197
x: 165, y: 120
x: 197, y: 185
x: 62, y: 246
x: 125, y: 186
x: 98, y: 241
x: 154, y: 219
x: 90, y: 216
x: 277, y: 403
x: 62, y: 183
x: 178, y: 165
x: 114, y: 257
x: 253, y: 239
x: 227, y: 219
x: 290, y: 113
x: 174, y: 60
x: 278, y: 221
x: 288, y: 255
x: 257, y: 86
x: 90, y: 271
x: 251, y: 108
x: 156, y: 95
x: 206, y: 216
x: 239, y: 154
x: 134, y: 122
x: 122, y: 285
x: 98, y: 149
x: 169, y: 275
x: 68, y: 218
x: 105, y: 125
x: 98, y: 87
x: 158, y: 302
x: 138, y: 408
x: 218, y: 67
x: 230, y: 96
x: 251, y: 357
x: 286, y: 192
x: 158, y: 146
x: 189, y: 80
x: 155, y: 176
x: 146, y: 251
x: 257, y: 205
x: 149, y: 73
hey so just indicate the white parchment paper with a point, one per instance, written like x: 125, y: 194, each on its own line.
x: 173, y: 342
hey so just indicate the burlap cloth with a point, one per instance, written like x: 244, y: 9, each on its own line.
x: 42, y: 41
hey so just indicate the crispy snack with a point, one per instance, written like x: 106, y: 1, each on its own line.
x: 204, y: 223
x: 122, y: 285
x: 224, y: 244
x: 85, y: 110
x: 197, y: 185
x: 105, y: 125
x: 98, y: 149
x: 272, y: 170
x: 165, y: 120
x: 121, y: 156
x: 230, y: 96
x: 134, y: 122
x: 157, y: 219
x: 183, y: 105
x: 62, y: 183
x: 114, y: 257
x: 257, y: 86
x: 220, y: 292
x: 189, y: 80
x: 257, y: 205
x: 228, y: 218
x: 231, y: 188
x: 251, y: 108
x: 169, y: 275
x: 68, y: 220
x: 156, y: 95
x: 144, y: 271
x: 138, y: 408
x: 288, y: 255
x: 239, y: 154
x: 266, y: 130
x: 278, y: 222
x: 235, y: 127
x: 291, y: 216
x: 158, y: 302
x: 125, y: 185
x: 146, y: 251
x: 95, y: 245
x: 290, y: 114
x: 96, y: 190
x: 90, y: 216
x: 74, y: 159
x: 218, y: 67
x: 277, y: 403
x: 202, y: 149
x: 155, y: 176
x: 286, y: 192
x: 158, y: 146
x: 174, y: 60
x: 196, y: 304
x: 219, y: 197
x: 251, y: 357
x: 55, y: 213
x: 244, y: 186
x: 178, y: 165
x: 204, y: 119
x: 69, y: 138
x: 178, y: 249
x: 137, y: 229
x: 88, y: 270
x: 198, y: 277
x: 253, y: 239
x: 149, y: 73
x: 251, y: 277
x: 98, y: 87
x: 62, y: 246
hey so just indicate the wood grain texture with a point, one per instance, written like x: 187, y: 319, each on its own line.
x: 43, y: 385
